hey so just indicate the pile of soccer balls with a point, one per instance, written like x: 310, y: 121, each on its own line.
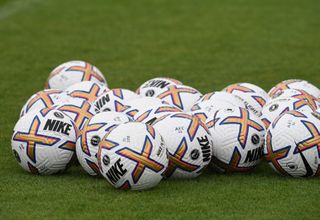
x: 165, y: 129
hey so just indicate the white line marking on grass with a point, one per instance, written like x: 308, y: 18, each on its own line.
x: 14, y: 7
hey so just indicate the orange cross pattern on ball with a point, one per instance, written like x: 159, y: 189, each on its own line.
x: 131, y: 113
x: 313, y: 141
x: 107, y: 144
x: 174, y: 93
x: 274, y: 156
x: 143, y: 116
x: 259, y: 100
x: 118, y: 93
x: 90, y: 96
x: 176, y: 160
x: 167, y: 109
x: 245, y: 123
x: 151, y: 130
x: 194, y: 125
x: 44, y: 96
x: 212, y: 122
x: 87, y: 71
x: 32, y: 138
x: 283, y: 86
x: 82, y: 113
x: 238, y: 87
x: 87, y: 129
x: 266, y: 122
x: 296, y: 113
x: 202, y: 116
x: 142, y: 159
x: 304, y: 99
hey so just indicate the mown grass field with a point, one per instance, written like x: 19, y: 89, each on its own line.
x: 206, y: 44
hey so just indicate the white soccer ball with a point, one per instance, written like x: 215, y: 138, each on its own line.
x: 298, y: 94
x: 155, y: 86
x: 80, y: 111
x: 210, y: 103
x: 88, y: 91
x: 238, y: 137
x: 43, y: 99
x: 253, y: 96
x: 180, y: 96
x: 133, y: 156
x: 189, y: 144
x: 43, y: 142
x: 72, y: 72
x: 295, y: 84
x: 151, y: 114
x: 91, y: 135
x: 114, y: 100
x: 292, y: 144
x: 278, y: 106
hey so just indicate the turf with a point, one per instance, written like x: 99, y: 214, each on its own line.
x: 207, y: 44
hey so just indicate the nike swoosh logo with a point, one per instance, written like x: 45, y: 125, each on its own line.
x: 306, y: 164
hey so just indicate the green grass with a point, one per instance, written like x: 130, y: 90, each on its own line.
x: 207, y: 44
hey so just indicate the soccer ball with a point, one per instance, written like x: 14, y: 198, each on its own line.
x: 180, y: 96
x: 210, y: 103
x: 72, y: 72
x: 292, y: 144
x: 298, y: 94
x: 238, y: 137
x: 137, y: 105
x: 132, y: 156
x: 43, y: 142
x: 91, y: 135
x: 43, y: 99
x: 253, y: 96
x: 295, y: 84
x: 88, y: 91
x: 80, y: 111
x: 189, y: 144
x: 276, y: 107
x: 151, y: 114
x: 155, y: 86
x: 114, y: 100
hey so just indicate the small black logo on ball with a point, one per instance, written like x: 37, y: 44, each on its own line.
x: 58, y: 115
x: 273, y: 107
x: 106, y: 160
x: 255, y: 139
x: 292, y: 166
x: 195, y: 154
x: 150, y: 93
x: 95, y: 140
